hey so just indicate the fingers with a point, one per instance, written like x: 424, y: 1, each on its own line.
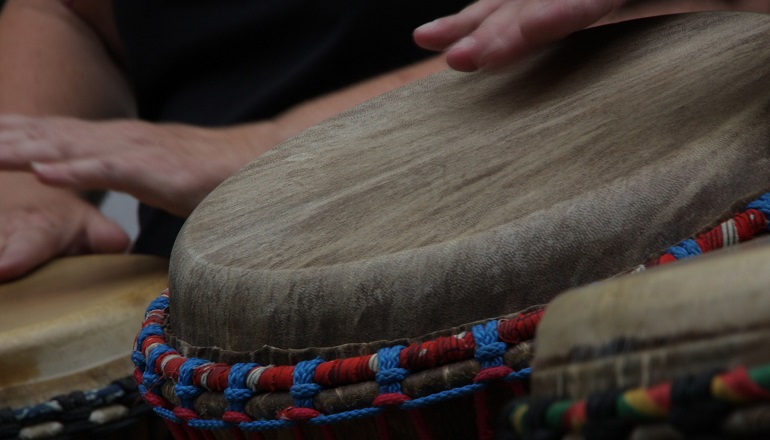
x: 23, y: 251
x: 78, y: 174
x: 441, y: 33
x: 60, y: 151
x: 29, y: 248
x: 32, y: 233
x: 25, y: 139
x: 496, y: 42
x: 167, y: 166
x: 102, y: 236
x: 491, y: 34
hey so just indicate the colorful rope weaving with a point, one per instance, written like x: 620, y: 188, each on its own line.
x: 662, y: 402
x: 741, y: 227
x: 158, y: 363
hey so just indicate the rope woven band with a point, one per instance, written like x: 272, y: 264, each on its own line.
x: 160, y: 367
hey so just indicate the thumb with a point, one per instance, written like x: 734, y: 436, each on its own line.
x: 102, y: 236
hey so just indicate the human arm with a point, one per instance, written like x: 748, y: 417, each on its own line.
x: 52, y: 63
x: 491, y: 34
x: 170, y: 166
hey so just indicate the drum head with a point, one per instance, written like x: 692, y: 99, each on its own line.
x: 468, y: 196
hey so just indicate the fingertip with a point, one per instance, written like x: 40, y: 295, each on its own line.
x: 461, y: 56
x: 105, y: 237
x: 44, y: 172
x: 52, y: 174
x: 17, y: 260
x: 426, y: 28
x: 431, y: 36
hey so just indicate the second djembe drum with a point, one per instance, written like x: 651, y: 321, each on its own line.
x: 682, y: 351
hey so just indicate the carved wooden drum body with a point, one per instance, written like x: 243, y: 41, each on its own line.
x: 65, y: 334
x: 392, y: 258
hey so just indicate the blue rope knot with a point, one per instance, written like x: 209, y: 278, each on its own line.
x: 237, y: 395
x: 687, y: 248
x: 238, y: 375
x: 147, y: 331
x: 391, y: 376
x: 236, y: 392
x: 185, y: 392
x: 138, y: 359
x: 149, y: 377
x: 489, y: 349
x: 159, y: 303
x: 305, y: 390
x: 150, y: 380
x: 188, y: 368
x: 185, y: 389
x: 388, y: 357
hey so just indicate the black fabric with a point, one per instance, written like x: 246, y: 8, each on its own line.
x: 216, y: 63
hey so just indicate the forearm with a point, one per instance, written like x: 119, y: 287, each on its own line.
x: 52, y: 63
x: 309, y: 113
x: 316, y: 110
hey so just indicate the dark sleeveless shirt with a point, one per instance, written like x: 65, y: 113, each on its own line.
x: 220, y: 62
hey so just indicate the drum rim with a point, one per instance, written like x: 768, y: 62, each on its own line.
x: 157, y: 362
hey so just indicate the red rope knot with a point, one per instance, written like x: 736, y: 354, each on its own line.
x: 236, y: 417
x: 138, y: 376
x: 492, y: 373
x: 297, y: 414
x: 185, y: 414
x: 390, y: 399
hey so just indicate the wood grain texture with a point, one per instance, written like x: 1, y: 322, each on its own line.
x: 70, y: 325
x: 467, y: 196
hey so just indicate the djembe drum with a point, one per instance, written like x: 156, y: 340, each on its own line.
x: 65, y: 331
x: 375, y: 277
x: 679, y: 352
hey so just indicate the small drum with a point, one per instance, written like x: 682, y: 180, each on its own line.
x: 65, y: 331
x: 378, y: 275
x: 678, y: 352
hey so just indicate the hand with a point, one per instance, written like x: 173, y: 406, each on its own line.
x: 38, y: 223
x: 491, y: 34
x: 169, y: 166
